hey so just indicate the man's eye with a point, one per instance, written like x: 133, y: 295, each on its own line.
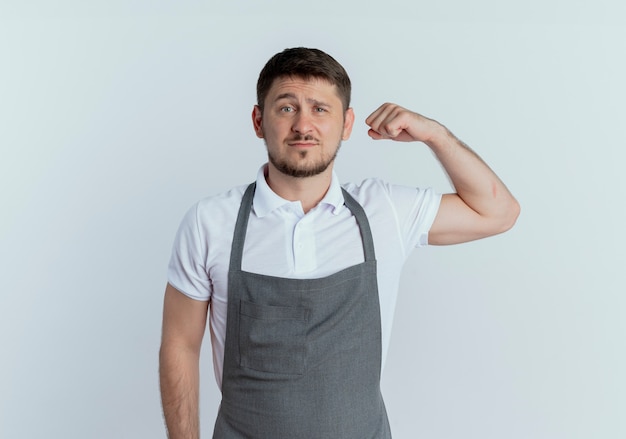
x: 286, y: 109
x: 320, y: 110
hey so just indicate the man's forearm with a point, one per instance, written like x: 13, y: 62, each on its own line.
x: 179, y: 379
x: 475, y: 183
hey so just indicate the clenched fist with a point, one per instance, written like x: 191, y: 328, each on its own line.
x: 391, y: 121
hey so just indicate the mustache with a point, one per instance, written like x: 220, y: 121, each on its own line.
x: 305, y: 138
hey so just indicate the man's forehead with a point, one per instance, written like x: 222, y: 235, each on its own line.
x: 311, y: 82
x: 297, y: 85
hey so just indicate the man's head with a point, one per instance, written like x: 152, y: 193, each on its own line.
x: 303, y: 112
x: 304, y: 63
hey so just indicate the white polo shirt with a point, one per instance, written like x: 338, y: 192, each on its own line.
x: 282, y: 241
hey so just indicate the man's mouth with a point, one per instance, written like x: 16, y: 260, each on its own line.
x: 302, y: 144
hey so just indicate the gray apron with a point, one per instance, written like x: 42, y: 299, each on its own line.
x: 302, y: 357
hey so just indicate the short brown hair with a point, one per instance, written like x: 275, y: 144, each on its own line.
x: 303, y: 63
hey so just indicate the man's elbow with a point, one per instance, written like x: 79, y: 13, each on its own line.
x: 509, y: 216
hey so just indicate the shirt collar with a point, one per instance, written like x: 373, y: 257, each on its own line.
x: 266, y: 200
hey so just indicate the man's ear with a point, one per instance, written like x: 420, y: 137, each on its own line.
x: 348, y: 122
x: 257, y: 119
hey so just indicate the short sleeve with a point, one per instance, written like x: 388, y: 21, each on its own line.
x: 416, y: 209
x: 187, y: 267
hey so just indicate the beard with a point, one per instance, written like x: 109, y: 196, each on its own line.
x: 302, y: 170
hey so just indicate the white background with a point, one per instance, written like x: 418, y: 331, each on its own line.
x: 116, y: 116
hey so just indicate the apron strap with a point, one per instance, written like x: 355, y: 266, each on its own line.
x: 239, y: 237
x: 364, y: 225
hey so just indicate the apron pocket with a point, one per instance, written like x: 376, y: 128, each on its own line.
x: 272, y: 338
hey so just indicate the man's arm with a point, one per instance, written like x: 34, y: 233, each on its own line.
x: 184, y: 320
x: 482, y: 205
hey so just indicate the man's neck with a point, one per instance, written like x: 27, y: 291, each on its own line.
x: 309, y: 190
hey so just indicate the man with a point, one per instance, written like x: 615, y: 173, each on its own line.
x: 301, y: 274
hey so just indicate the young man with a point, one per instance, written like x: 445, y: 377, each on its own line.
x: 301, y: 273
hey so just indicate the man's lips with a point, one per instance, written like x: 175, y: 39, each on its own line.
x: 302, y: 144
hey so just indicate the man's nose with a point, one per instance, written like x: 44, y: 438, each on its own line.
x: 302, y: 123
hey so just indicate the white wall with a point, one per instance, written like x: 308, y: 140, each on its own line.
x: 116, y: 117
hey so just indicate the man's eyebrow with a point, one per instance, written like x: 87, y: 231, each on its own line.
x: 318, y: 103
x: 291, y: 96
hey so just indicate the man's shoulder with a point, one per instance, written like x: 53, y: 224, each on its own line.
x: 367, y: 189
x: 379, y: 193
x: 221, y: 204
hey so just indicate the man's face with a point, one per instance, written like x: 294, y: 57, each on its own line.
x: 303, y: 124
